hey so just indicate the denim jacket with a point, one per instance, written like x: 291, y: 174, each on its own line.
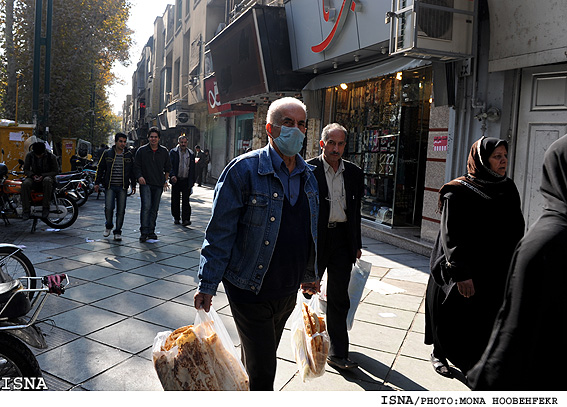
x: 241, y: 235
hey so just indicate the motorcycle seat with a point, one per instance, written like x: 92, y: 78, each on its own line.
x: 20, y: 304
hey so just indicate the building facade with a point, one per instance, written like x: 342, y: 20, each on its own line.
x: 415, y: 83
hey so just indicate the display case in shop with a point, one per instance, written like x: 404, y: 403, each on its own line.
x: 387, y: 119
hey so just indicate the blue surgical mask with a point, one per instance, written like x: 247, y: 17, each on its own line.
x: 290, y: 141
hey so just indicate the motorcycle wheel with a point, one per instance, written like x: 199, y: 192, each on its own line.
x: 16, y: 360
x: 71, y: 212
x: 15, y: 264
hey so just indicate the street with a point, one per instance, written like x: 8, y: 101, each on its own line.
x: 100, y: 332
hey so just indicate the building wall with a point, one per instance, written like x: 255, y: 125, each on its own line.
x: 435, y: 171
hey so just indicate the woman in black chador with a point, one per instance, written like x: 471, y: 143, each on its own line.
x: 527, y: 349
x: 481, y: 223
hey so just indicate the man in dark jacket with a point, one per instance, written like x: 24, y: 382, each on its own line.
x: 115, y: 173
x: 40, y: 168
x: 202, y: 160
x: 341, y: 186
x: 182, y: 179
x: 151, y: 168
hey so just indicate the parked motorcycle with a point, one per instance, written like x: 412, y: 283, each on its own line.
x: 63, y: 210
x: 75, y: 183
x: 19, y: 368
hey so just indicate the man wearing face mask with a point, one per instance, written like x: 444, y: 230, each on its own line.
x: 261, y: 240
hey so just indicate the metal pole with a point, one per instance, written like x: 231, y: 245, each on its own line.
x: 36, y: 61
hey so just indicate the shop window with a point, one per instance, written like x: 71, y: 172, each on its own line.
x: 388, y: 123
x: 244, y: 132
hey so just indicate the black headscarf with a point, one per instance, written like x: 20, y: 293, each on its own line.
x: 479, y: 178
x: 554, y: 179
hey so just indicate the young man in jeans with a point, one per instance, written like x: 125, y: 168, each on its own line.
x: 115, y: 173
x: 151, y: 168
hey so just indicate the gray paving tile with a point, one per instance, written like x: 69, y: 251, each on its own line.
x: 181, y: 261
x: 400, y: 300
x: 170, y: 315
x: 189, y: 277
x: 377, y: 314
x: 165, y: 290
x: 54, y: 337
x: 409, y: 274
x: 55, y: 305
x: 60, y: 266
x: 90, y: 292
x: 92, y: 272
x: 126, y: 280
x: 156, y: 270
x: 150, y: 255
x: 78, y: 361
x: 120, y: 377
x: 130, y: 335
x: 376, y: 336
x: 85, y: 320
x: 115, y: 262
x: 128, y: 303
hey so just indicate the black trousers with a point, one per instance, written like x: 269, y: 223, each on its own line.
x: 339, y: 266
x: 181, y: 191
x: 260, y: 327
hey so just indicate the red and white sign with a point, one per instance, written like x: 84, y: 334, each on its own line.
x: 440, y: 143
x: 212, y: 95
x: 346, y: 7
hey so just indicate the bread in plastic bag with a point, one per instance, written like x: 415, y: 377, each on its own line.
x: 309, y: 338
x: 199, y: 357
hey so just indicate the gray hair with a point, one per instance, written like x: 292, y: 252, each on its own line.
x: 274, y: 115
x: 329, y: 128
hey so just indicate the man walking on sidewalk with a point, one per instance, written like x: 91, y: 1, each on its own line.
x: 261, y: 239
x: 115, y: 173
x: 341, y: 186
x: 182, y: 179
x: 151, y: 168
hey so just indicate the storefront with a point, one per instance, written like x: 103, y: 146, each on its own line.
x: 388, y: 121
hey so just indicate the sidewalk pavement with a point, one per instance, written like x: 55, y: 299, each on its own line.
x: 100, y: 332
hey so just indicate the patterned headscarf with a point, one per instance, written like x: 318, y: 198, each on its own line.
x: 479, y: 178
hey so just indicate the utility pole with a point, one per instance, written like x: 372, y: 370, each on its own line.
x: 41, y: 41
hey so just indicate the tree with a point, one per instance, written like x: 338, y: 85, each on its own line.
x: 88, y: 37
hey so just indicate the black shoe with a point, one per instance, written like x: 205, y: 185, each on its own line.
x: 186, y: 223
x: 25, y: 216
x: 143, y: 238
x: 176, y: 222
x: 152, y: 236
x: 341, y: 363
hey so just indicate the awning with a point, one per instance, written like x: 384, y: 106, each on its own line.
x: 363, y: 73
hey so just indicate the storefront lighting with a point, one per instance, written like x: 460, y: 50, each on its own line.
x: 343, y: 86
x: 399, y: 76
x: 430, y: 100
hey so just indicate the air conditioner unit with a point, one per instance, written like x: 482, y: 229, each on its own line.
x: 184, y: 118
x: 432, y: 29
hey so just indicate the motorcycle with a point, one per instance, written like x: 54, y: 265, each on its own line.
x: 19, y: 368
x: 63, y: 210
x: 76, y: 183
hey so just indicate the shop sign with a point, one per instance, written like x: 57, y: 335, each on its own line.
x: 213, y: 100
x: 440, y: 143
x: 348, y: 5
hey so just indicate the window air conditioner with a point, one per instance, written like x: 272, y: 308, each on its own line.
x: 184, y: 118
x: 432, y: 29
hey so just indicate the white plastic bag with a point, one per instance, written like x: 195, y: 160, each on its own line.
x: 310, y: 345
x: 358, y: 277
x: 199, y: 357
